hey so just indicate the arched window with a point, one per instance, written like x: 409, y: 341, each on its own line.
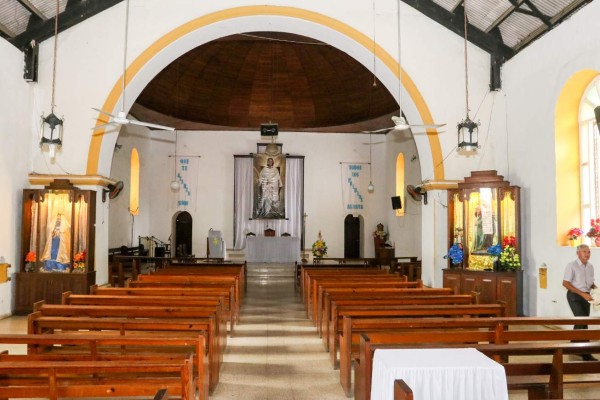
x: 589, y: 153
x: 134, y: 183
x: 400, y: 183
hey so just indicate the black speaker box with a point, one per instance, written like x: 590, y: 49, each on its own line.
x: 396, y: 202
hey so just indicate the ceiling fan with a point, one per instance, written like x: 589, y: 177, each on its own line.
x: 121, y: 117
x: 400, y: 123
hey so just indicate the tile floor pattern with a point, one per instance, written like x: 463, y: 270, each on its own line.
x: 275, y: 353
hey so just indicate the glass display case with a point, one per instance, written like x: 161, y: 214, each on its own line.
x: 482, y: 212
x: 57, y: 243
x: 483, y: 216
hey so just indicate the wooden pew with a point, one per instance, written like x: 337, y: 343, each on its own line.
x: 341, y: 271
x: 208, y: 287
x: 206, y: 269
x: 28, y: 377
x: 230, y: 304
x: 433, y: 332
x: 163, y: 394
x: 96, y: 346
x: 195, y: 280
x: 355, y: 322
x: 38, y: 324
x: 326, y: 284
x: 402, y: 391
x: 336, y: 303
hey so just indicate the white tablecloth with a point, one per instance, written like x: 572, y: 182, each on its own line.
x: 439, y: 374
x: 272, y: 249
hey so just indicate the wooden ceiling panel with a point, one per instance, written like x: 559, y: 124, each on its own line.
x: 244, y: 80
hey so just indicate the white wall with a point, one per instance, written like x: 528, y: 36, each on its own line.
x: 214, y: 207
x: 532, y: 83
x: 16, y: 138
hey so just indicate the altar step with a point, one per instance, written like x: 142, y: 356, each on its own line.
x: 271, y: 272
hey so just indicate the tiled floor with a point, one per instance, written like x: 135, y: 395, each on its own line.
x: 276, y: 353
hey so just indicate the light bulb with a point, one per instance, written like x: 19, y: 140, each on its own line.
x: 52, y: 151
x: 174, y: 185
x: 371, y: 188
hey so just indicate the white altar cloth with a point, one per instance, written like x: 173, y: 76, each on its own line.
x: 439, y: 374
x: 272, y: 249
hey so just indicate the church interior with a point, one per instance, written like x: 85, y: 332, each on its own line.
x: 279, y: 176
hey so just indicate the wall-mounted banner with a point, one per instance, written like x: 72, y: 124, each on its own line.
x: 187, y: 176
x: 269, y: 190
x: 354, y: 185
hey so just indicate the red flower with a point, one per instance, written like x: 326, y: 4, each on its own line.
x: 509, y: 241
x: 30, y: 257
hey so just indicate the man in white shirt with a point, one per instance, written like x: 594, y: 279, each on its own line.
x: 579, y: 281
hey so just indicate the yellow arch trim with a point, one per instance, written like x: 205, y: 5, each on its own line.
x: 239, y: 12
x: 566, y: 135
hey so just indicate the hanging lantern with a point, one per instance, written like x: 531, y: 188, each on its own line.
x: 51, y: 131
x: 468, y: 135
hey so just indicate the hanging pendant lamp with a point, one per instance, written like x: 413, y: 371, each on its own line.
x: 468, y: 131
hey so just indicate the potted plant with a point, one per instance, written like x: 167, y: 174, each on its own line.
x: 574, y: 236
x: 594, y: 232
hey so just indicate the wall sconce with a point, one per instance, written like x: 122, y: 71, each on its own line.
x: 51, y: 131
x: 468, y: 135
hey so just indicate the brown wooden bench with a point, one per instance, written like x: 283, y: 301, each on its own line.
x: 341, y: 270
x: 433, y: 332
x: 319, y: 285
x: 355, y: 322
x: 207, y: 268
x: 38, y: 324
x: 26, y: 378
x: 402, y: 391
x: 208, y: 287
x: 230, y: 304
x: 96, y: 346
x: 334, y: 304
x: 232, y: 278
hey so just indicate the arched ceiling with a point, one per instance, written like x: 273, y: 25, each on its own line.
x: 241, y: 81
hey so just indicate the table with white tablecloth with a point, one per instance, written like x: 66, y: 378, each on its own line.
x: 283, y: 249
x: 438, y: 374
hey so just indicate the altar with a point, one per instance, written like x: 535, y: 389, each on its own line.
x: 272, y: 249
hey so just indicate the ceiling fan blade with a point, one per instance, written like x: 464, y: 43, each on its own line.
x: 149, y: 125
x: 430, y: 126
x: 382, y: 130
x: 103, y: 112
x: 103, y: 125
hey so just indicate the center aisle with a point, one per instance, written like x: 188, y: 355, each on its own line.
x: 275, y: 353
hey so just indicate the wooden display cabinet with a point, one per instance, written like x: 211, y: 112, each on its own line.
x: 57, y: 244
x: 482, y: 211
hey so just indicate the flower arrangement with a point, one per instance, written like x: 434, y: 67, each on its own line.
x: 319, y: 248
x: 509, y: 258
x: 594, y: 231
x: 79, y: 261
x: 495, y: 250
x: 575, y: 233
x: 455, y: 253
x: 29, y: 258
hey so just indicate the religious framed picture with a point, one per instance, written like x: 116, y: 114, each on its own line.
x: 269, y: 186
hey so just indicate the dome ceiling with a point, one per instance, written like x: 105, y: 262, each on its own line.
x: 241, y: 81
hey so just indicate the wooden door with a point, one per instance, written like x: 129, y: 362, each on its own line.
x: 352, y: 245
x: 181, y: 245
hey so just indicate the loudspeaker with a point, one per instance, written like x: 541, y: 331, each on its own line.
x: 30, y: 68
x: 269, y: 129
x: 396, y: 202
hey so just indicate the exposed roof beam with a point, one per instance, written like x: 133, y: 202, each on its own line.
x: 537, y: 13
x: 33, y: 9
x: 490, y: 42
x: 4, y: 29
x: 71, y: 16
x: 504, y: 15
x: 554, y: 22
